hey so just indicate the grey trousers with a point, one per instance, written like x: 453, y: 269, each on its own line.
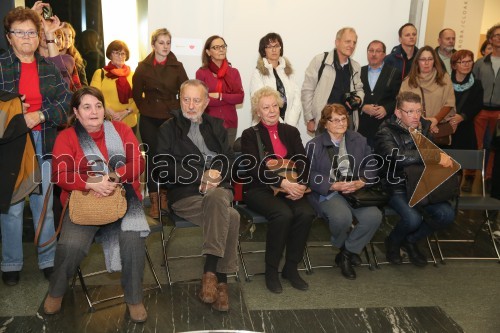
x: 220, y: 223
x: 73, y: 246
x: 340, y: 215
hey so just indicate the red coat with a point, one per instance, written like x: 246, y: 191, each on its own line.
x: 70, y: 166
x: 225, y: 108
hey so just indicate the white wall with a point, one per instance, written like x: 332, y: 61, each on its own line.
x: 307, y: 28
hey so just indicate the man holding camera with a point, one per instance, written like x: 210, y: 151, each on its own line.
x: 333, y: 78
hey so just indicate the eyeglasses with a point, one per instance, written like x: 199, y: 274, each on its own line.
x: 219, y: 47
x: 187, y: 100
x: 22, y: 34
x: 375, y: 51
x: 338, y: 121
x: 496, y: 36
x: 465, y: 63
x: 273, y: 47
x: 426, y: 59
x: 120, y: 54
x: 412, y: 113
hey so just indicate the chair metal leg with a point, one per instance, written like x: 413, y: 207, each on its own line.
x: 167, y: 242
x: 85, y: 290
x: 243, y: 263
x: 368, y: 261
x: 434, y: 261
x: 492, y: 237
x: 153, y: 271
x: 307, y: 261
x: 375, y: 258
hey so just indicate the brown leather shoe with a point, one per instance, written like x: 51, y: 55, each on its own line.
x: 52, y: 305
x: 222, y: 301
x: 208, y: 291
x: 163, y: 199
x: 137, y: 312
x: 154, y: 210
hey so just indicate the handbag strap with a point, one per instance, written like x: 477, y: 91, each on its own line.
x: 423, y: 102
x: 259, y: 142
x: 41, y: 220
x: 462, y: 101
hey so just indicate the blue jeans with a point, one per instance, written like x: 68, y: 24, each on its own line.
x: 12, y: 222
x: 339, y: 215
x: 413, y: 226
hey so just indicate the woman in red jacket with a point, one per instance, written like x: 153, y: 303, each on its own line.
x: 224, y: 84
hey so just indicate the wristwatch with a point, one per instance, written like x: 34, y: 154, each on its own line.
x: 50, y: 41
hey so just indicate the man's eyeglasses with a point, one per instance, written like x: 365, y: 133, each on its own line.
x: 412, y: 113
x: 338, y: 121
x: 273, y: 47
x: 187, y: 100
x: 120, y: 54
x: 219, y: 47
x: 22, y: 34
x: 465, y: 63
x: 375, y: 51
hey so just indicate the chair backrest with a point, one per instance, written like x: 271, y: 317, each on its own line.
x: 470, y: 159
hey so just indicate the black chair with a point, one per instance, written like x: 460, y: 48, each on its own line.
x: 155, y: 227
x: 386, y: 212
x: 473, y: 160
x: 251, y: 219
x: 311, y: 267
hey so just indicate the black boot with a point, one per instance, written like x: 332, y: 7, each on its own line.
x: 416, y: 257
x: 273, y: 280
x: 392, y: 253
x: 291, y: 273
x: 343, y: 260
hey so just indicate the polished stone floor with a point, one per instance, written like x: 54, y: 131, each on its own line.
x: 460, y: 296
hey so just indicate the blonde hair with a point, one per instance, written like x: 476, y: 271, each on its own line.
x: 264, y: 92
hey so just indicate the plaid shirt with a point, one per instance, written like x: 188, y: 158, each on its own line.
x: 55, y: 94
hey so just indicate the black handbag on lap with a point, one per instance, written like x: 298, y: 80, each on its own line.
x: 367, y: 196
x: 375, y: 195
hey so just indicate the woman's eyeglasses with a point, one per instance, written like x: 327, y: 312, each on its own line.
x: 120, y: 54
x: 22, y: 34
x: 218, y: 47
x: 338, y: 121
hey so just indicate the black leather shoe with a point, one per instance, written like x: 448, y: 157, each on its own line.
x: 342, y: 260
x: 47, y: 272
x: 355, y: 259
x: 10, y: 278
x: 392, y: 253
x: 416, y: 257
x: 273, y: 282
x: 292, y: 275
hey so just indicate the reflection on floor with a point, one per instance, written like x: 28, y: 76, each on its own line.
x: 178, y: 309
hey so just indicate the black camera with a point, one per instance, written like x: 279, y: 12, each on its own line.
x: 47, y: 12
x: 353, y: 99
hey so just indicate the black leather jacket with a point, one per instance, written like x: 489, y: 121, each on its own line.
x: 396, y: 146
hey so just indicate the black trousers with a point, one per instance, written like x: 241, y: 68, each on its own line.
x: 148, y: 128
x: 288, y: 227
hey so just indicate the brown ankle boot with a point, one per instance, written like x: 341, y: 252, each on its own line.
x: 52, y: 305
x: 222, y: 301
x: 154, y: 210
x: 137, y: 312
x: 208, y: 291
x: 163, y: 200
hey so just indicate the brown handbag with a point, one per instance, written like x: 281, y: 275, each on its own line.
x: 445, y: 130
x: 87, y: 209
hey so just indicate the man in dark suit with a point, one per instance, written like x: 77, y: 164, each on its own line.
x: 381, y: 84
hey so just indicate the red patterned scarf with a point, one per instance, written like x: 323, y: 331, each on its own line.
x: 222, y: 84
x: 122, y: 86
